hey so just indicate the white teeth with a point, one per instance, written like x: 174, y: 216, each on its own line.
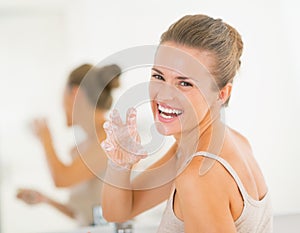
x: 165, y: 116
x: 169, y: 110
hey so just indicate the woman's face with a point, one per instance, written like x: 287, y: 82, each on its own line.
x: 181, y: 88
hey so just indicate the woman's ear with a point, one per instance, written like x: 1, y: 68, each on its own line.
x: 225, y: 93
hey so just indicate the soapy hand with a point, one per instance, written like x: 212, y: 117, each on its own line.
x: 123, y: 143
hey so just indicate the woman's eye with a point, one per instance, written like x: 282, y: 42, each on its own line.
x: 185, y: 84
x: 158, y: 77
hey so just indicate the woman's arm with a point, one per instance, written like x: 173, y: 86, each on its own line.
x: 146, y: 191
x: 63, y: 208
x: 82, y: 167
x: 33, y: 197
x: 203, y: 202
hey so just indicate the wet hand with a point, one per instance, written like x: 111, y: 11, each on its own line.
x: 123, y: 143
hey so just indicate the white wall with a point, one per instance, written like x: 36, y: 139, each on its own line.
x: 41, y: 46
x: 32, y: 59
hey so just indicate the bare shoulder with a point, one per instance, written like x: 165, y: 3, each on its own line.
x: 210, y: 183
x: 202, y: 201
x: 238, y: 136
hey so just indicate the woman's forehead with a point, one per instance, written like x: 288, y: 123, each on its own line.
x: 185, y: 61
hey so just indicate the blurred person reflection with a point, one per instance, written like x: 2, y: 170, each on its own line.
x: 87, y: 157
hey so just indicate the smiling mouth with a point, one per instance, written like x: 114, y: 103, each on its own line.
x: 168, y: 113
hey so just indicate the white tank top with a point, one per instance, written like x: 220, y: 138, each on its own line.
x: 256, y: 215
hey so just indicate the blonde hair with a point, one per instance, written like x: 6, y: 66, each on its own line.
x: 212, y: 35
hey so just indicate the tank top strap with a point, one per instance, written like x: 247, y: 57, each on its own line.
x: 228, y: 167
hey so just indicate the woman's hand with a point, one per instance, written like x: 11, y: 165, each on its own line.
x: 31, y: 196
x: 123, y: 143
x: 41, y: 130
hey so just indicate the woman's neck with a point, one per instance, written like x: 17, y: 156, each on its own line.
x: 207, y: 136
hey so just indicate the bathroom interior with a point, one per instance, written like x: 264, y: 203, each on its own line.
x: 42, y: 40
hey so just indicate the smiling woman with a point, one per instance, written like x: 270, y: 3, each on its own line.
x: 41, y: 42
x: 176, y: 87
x: 217, y: 185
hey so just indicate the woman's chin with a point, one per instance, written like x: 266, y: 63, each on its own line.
x: 164, y: 130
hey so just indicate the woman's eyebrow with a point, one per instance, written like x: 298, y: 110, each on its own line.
x: 182, y: 78
x: 179, y: 77
x: 157, y: 70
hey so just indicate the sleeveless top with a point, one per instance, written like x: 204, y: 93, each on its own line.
x: 256, y: 215
x: 83, y: 197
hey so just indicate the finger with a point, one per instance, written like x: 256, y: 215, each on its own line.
x: 116, y: 118
x: 107, y: 146
x: 107, y: 126
x: 131, y: 117
x: 137, y: 138
x: 132, y: 125
x: 120, y: 131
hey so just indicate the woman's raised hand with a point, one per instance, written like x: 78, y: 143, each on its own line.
x: 41, y: 130
x: 123, y: 143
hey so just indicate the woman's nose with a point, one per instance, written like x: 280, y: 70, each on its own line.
x: 166, y: 92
